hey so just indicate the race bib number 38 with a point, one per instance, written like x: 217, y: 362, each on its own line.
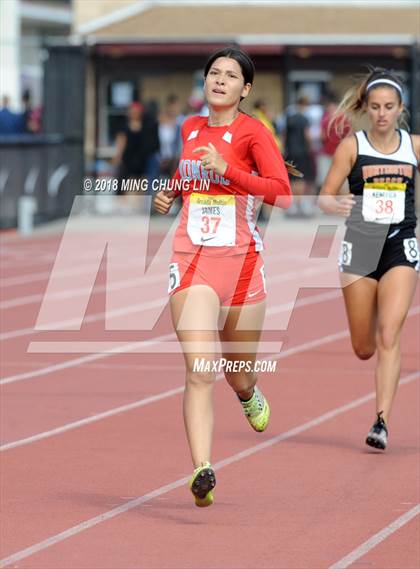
x: 411, y: 250
x: 212, y: 220
x: 384, y: 202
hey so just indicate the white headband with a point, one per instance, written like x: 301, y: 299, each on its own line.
x: 387, y: 81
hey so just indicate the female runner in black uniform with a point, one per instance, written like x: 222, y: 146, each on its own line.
x: 379, y: 255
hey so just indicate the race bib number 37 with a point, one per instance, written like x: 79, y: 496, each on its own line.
x: 212, y: 220
x: 384, y: 202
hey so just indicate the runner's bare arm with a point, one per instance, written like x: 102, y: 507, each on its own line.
x: 272, y: 183
x: 343, y: 161
x: 164, y: 199
x: 416, y: 145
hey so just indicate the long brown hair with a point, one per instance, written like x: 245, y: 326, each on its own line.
x: 353, y: 107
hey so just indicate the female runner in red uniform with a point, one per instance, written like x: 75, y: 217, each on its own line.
x: 379, y: 255
x: 217, y: 275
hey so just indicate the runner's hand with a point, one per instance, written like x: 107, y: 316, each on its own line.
x: 345, y: 205
x: 211, y: 159
x: 163, y: 201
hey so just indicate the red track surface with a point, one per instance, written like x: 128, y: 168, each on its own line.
x: 307, y: 500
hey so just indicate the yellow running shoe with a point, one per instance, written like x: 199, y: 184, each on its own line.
x: 257, y: 410
x: 201, y: 485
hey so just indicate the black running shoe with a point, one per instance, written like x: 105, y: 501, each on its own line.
x: 378, y: 435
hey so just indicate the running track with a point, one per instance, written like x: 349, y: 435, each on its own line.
x: 94, y: 462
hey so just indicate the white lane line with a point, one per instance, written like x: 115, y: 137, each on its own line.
x: 87, y: 524
x: 41, y: 276
x: 159, y: 397
x: 29, y: 260
x: 74, y: 292
x: 116, y: 366
x: 376, y: 539
x: 77, y: 270
x: 25, y: 249
x: 133, y: 308
x: 93, y: 419
x: 71, y: 292
x: 82, y: 291
x: 82, y: 360
x: 86, y: 268
x: 306, y: 301
x: 93, y: 357
x: 50, y: 256
x: 96, y: 317
x: 31, y: 253
x: 315, y: 299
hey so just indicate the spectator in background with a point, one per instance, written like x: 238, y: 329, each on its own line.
x: 262, y: 113
x: 313, y: 113
x: 136, y: 145
x: 151, y: 111
x: 330, y: 137
x: 10, y: 123
x: 299, y: 151
x: 170, y: 121
x: 35, y: 121
x: 27, y: 111
x: 196, y: 105
x: 31, y: 117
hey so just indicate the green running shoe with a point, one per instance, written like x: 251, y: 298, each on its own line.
x: 201, y: 485
x: 257, y: 410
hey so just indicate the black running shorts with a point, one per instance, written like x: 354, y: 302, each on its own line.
x: 373, y: 257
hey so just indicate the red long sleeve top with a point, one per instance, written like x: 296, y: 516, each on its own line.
x: 219, y: 211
